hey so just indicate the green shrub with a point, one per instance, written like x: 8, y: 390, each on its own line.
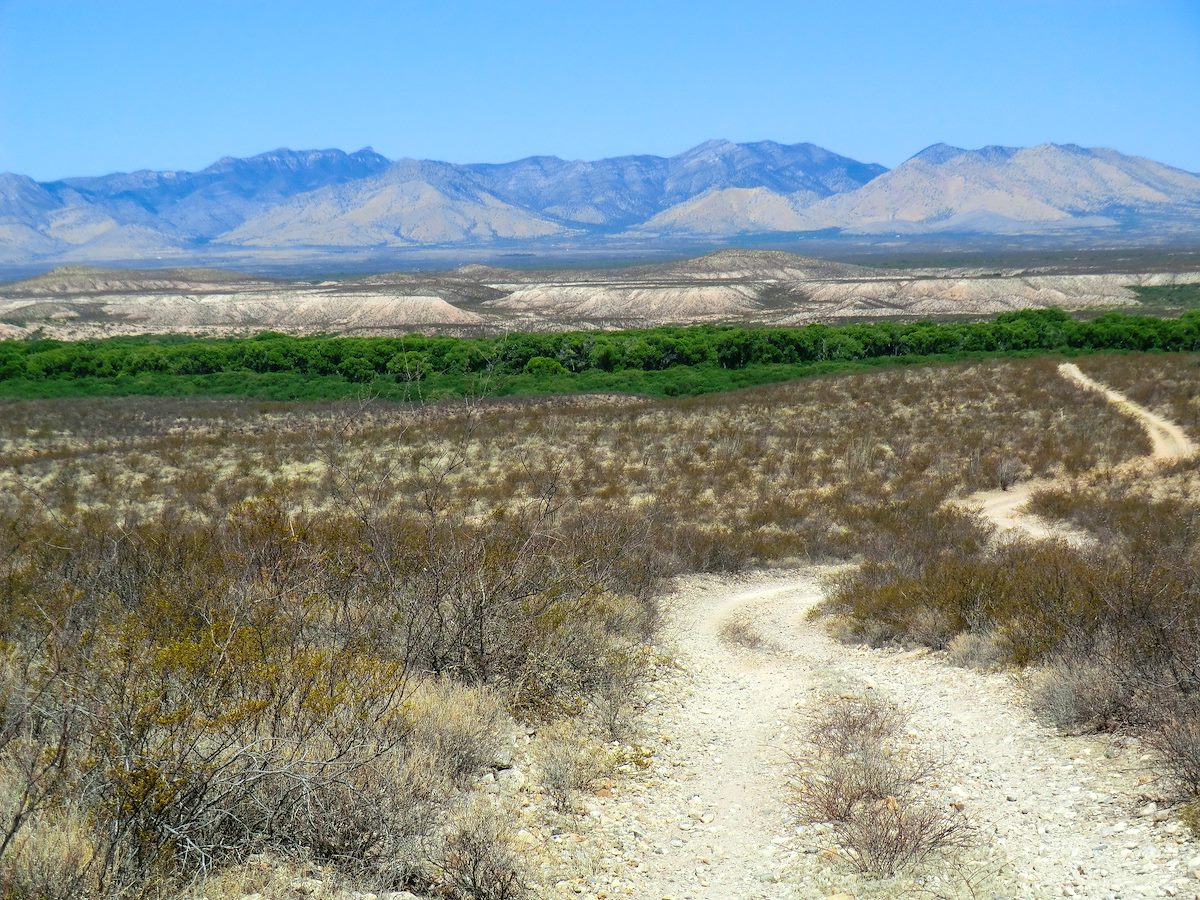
x: 543, y: 365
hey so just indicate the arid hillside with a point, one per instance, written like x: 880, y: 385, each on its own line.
x: 767, y: 287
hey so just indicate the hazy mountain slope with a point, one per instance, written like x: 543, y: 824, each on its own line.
x: 627, y: 190
x: 733, y: 211
x: 201, y: 205
x: 412, y: 202
x: 55, y: 220
x: 25, y: 202
x: 26, y: 209
x: 783, y: 168
x: 127, y: 215
x: 303, y: 201
x: 605, y: 192
x: 999, y: 189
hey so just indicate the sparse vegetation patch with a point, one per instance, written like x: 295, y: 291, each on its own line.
x: 858, y: 776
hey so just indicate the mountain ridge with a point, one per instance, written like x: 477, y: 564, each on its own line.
x: 327, y: 200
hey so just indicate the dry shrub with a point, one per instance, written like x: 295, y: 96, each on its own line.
x: 883, y: 837
x: 464, y: 727
x: 935, y: 628
x: 857, y: 775
x: 1074, y: 694
x: 614, y: 694
x: 740, y: 633
x: 570, y: 764
x: 478, y: 859
x: 1175, y: 743
x: 373, y: 822
x: 1164, y: 382
x: 317, y: 684
x: 851, y: 725
x: 1008, y: 472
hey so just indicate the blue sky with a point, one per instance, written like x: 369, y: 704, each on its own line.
x: 93, y: 86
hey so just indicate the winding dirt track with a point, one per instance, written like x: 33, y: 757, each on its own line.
x: 1059, y: 818
x: 1062, y: 816
x: 1168, y: 441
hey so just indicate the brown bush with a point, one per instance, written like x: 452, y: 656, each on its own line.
x: 1175, y: 742
x: 857, y: 774
x: 478, y: 860
x: 1075, y: 693
x: 570, y: 764
x: 740, y: 633
x: 889, y: 835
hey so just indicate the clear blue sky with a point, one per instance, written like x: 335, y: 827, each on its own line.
x: 93, y: 86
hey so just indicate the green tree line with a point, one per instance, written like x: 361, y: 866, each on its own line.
x: 695, y: 353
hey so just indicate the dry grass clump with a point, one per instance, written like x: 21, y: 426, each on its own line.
x: 571, y: 764
x: 982, y: 650
x: 740, y: 633
x: 52, y: 856
x: 857, y: 776
x: 465, y: 726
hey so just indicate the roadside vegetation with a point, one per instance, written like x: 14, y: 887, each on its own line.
x: 1168, y: 384
x: 238, y: 629
x: 669, y: 361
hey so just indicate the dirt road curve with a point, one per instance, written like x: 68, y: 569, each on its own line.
x: 1170, y: 441
x: 1061, y: 816
x: 1004, y: 508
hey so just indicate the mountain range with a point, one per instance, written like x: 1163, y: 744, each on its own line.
x: 330, y: 202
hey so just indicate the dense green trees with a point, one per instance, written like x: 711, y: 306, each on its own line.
x: 704, y: 348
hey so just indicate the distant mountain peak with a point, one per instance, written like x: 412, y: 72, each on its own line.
x: 330, y: 201
x: 712, y: 145
x: 936, y: 154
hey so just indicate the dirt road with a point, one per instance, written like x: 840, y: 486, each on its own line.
x: 1169, y: 440
x: 1060, y: 816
